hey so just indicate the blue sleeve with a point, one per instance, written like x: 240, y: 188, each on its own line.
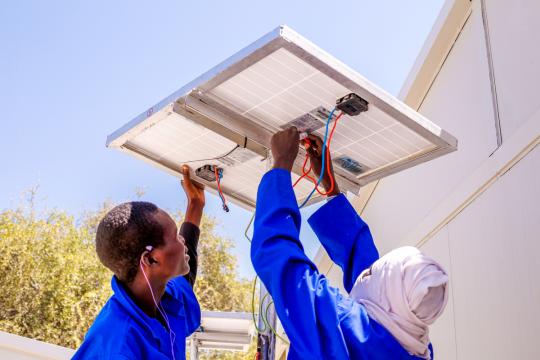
x: 306, y: 304
x: 345, y: 237
x: 184, y: 292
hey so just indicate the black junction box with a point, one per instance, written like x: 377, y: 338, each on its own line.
x: 352, y: 104
x: 207, y: 172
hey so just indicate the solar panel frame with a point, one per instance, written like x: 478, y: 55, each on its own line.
x: 198, y: 102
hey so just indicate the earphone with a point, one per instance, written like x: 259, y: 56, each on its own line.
x: 172, y: 335
x: 149, y: 248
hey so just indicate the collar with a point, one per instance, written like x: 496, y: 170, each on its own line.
x: 172, y: 304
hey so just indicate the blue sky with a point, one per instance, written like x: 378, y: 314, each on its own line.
x: 71, y: 72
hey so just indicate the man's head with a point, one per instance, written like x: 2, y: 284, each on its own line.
x: 125, y: 232
x: 405, y: 291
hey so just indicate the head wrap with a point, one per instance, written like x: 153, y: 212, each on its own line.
x: 404, y: 291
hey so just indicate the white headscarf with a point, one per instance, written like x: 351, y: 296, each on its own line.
x: 405, y: 292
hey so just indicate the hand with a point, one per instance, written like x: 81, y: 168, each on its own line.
x: 285, y: 148
x: 194, y: 191
x: 315, y: 150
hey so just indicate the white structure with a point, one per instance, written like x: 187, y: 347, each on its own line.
x: 222, y: 331
x: 475, y: 210
x: 219, y: 330
x: 14, y: 347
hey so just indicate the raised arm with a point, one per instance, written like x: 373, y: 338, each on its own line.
x: 192, y: 221
x: 305, y: 303
x: 344, y: 235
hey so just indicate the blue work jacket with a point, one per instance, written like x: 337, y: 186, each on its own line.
x: 320, y: 322
x: 123, y: 331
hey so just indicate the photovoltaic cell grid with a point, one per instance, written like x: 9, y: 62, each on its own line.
x: 281, y: 87
x: 274, y: 81
x: 178, y: 140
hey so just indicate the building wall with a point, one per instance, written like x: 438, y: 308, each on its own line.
x: 477, y: 210
x: 460, y: 102
x: 514, y: 34
x: 491, y: 250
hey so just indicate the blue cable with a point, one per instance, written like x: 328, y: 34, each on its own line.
x: 220, y: 176
x: 323, y: 158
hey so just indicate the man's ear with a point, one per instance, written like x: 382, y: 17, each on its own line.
x: 148, y: 259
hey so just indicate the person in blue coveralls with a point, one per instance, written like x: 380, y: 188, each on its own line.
x: 153, y: 308
x: 392, y: 299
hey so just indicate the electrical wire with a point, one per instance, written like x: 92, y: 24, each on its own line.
x: 270, y: 326
x: 219, y: 175
x: 253, y: 307
x: 305, y: 172
x: 248, y: 226
x: 329, y: 163
x: 264, y: 317
x: 210, y: 159
x: 323, y: 158
x: 263, y: 314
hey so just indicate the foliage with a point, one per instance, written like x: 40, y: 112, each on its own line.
x: 217, y: 286
x: 53, y: 284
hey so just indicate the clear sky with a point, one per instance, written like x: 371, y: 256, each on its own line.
x: 72, y: 72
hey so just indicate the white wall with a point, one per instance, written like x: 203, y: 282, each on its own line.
x: 477, y: 210
x: 14, y: 347
x: 460, y: 102
x: 493, y: 247
x: 514, y: 27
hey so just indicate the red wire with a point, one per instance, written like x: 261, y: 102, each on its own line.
x: 218, y: 186
x: 329, y: 163
x: 305, y: 173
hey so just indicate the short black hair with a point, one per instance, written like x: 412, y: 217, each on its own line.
x: 123, y: 234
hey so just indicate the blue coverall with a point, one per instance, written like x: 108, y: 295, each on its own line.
x: 123, y: 331
x: 320, y: 322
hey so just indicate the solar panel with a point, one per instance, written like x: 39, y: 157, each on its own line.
x: 229, y: 114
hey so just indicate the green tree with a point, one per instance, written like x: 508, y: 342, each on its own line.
x: 218, y: 287
x: 53, y: 284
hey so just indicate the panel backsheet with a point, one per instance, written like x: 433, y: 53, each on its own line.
x: 177, y: 140
x: 281, y: 87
